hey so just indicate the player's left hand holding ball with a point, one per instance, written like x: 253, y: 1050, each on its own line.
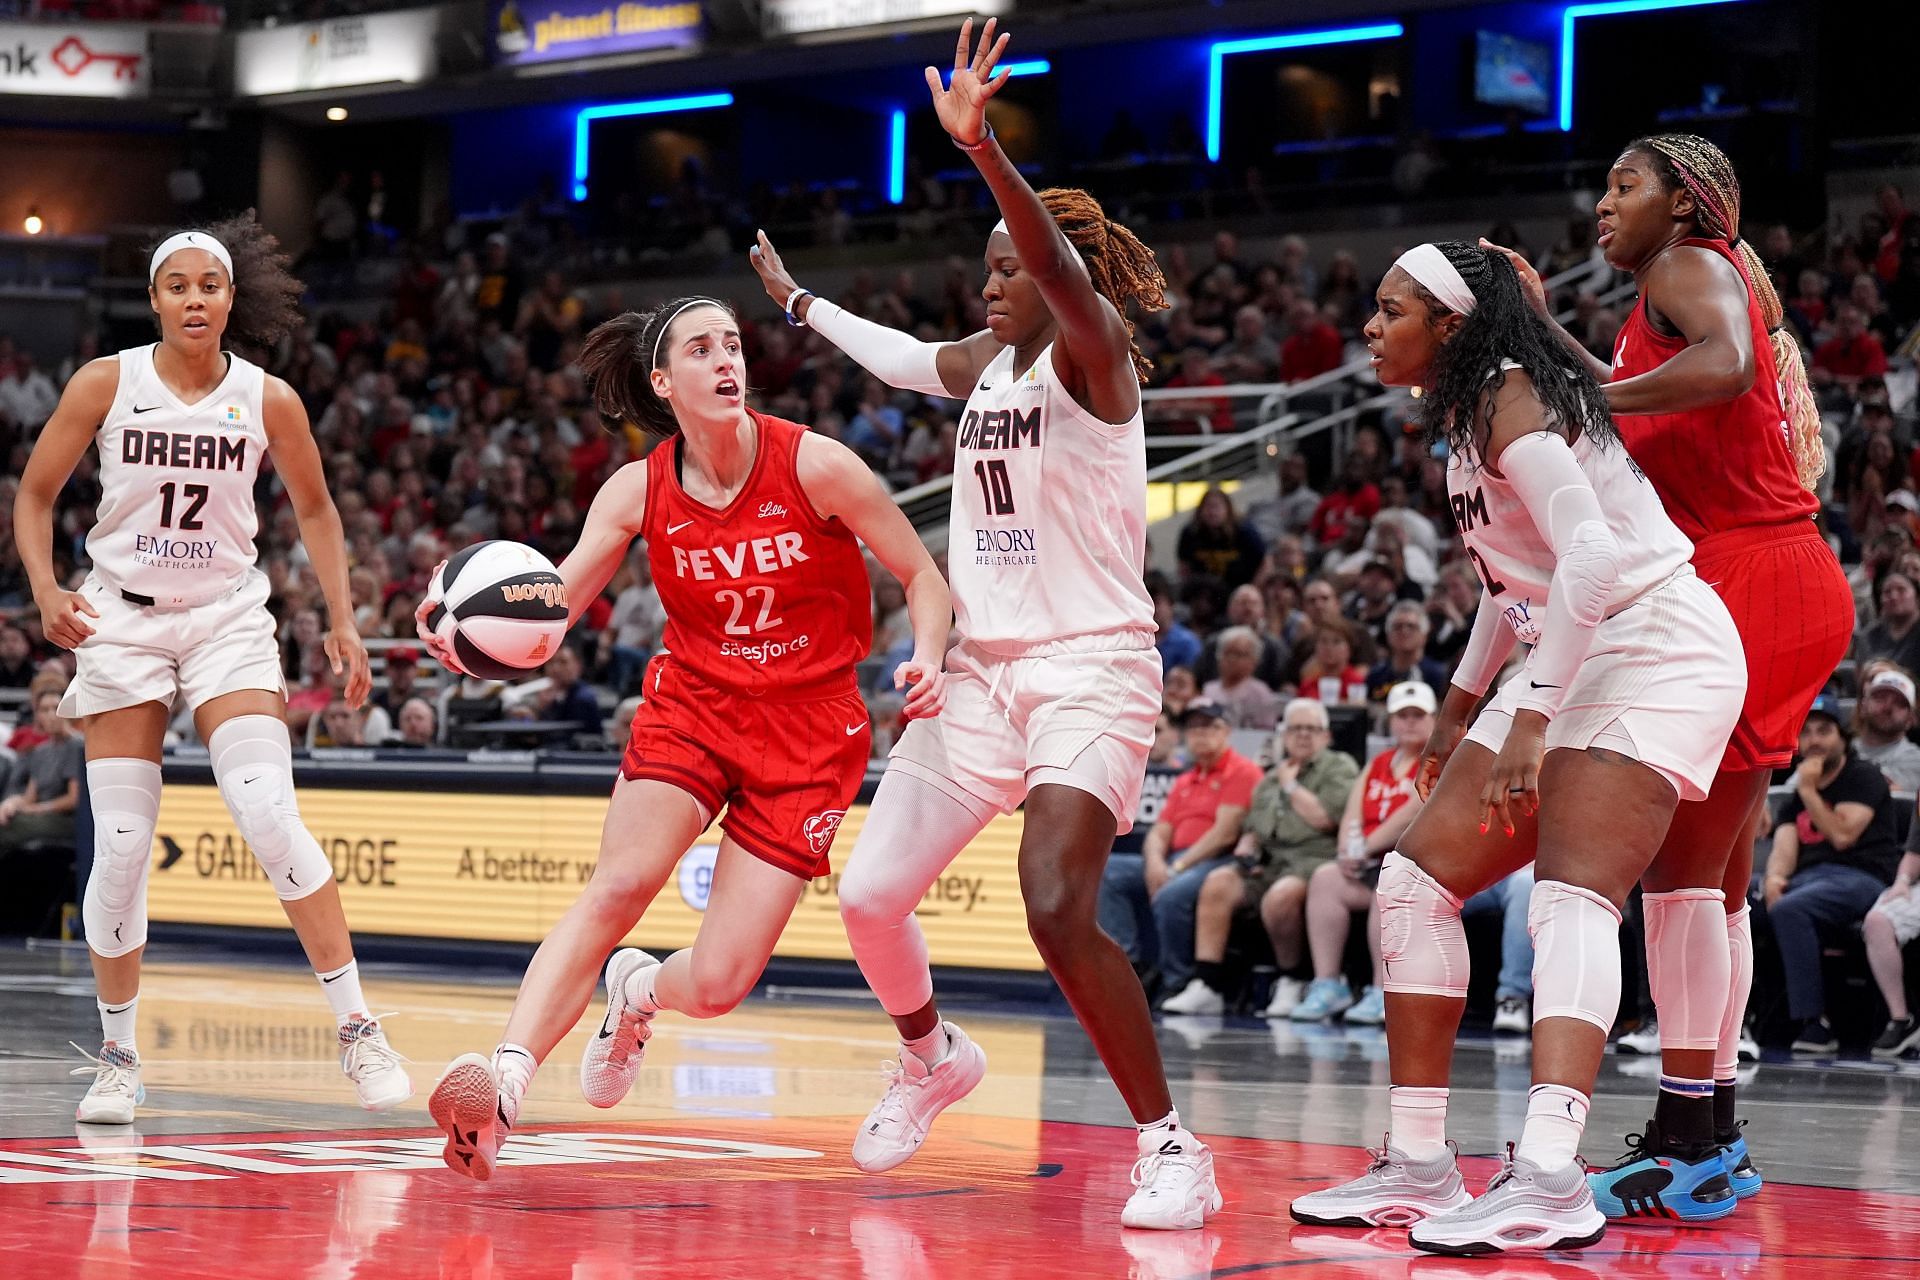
x: 348, y: 652
x: 929, y: 685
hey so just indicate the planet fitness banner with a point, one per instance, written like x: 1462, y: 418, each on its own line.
x: 557, y: 30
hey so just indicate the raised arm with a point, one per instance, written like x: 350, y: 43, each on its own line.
x: 1093, y: 351
x: 897, y: 359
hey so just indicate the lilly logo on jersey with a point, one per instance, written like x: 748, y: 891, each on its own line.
x: 771, y: 510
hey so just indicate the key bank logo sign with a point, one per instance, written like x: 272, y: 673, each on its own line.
x: 96, y: 61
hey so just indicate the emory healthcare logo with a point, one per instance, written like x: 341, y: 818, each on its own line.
x: 821, y: 827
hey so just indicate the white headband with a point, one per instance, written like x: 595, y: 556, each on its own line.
x: 189, y: 240
x: 1001, y: 227
x: 662, y: 335
x: 1426, y: 264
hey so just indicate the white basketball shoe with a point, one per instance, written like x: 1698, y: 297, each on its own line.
x: 466, y: 1104
x: 614, y: 1054
x: 1173, y: 1187
x: 116, y: 1088
x: 1395, y: 1191
x: 373, y: 1065
x: 916, y: 1094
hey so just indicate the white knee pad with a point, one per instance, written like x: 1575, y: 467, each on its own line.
x: 1423, y: 945
x: 124, y: 795
x: 1576, y: 954
x: 1688, y: 965
x: 1726, y: 1060
x: 253, y: 763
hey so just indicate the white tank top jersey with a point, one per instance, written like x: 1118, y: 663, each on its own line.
x: 1516, y: 564
x: 176, y: 519
x: 1049, y: 526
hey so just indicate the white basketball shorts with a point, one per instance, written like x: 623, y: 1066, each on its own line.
x: 1084, y: 720
x: 141, y: 654
x: 1663, y: 684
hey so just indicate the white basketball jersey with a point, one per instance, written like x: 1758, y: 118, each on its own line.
x: 1049, y: 528
x: 176, y: 516
x: 1513, y: 559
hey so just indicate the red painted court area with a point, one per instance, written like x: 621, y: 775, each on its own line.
x: 778, y: 1199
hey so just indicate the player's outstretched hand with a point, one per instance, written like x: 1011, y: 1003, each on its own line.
x: 60, y: 618
x: 772, y: 272
x: 962, y: 103
x: 928, y: 683
x: 1531, y: 286
x: 348, y: 652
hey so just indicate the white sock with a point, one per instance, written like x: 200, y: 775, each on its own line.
x: 1417, y: 1124
x: 931, y: 1048
x: 342, y: 989
x: 1155, y: 1132
x: 1556, y: 1117
x: 116, y: 1023
x: 513, y: 1068
x: 638, y: 991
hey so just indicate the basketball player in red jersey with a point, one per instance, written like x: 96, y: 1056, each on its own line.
x: 753, y: 528
x: 1712, y: 401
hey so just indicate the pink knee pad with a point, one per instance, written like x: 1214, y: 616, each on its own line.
x: 1423, y: 946
x: 1576, y: 954
x: 1688, y: 965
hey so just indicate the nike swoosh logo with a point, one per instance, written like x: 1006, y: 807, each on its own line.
x: 149, y: 409
x: 675, y: 528
x: 247, y: 782
x: 1536, y: 684
x: 124, y: 830
x: 986, y: 386
x: 336, y: 977
x: 854, y: 728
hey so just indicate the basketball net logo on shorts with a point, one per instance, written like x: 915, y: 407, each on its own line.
x: 821, y: 828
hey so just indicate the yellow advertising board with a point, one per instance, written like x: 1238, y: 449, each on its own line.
x: 503, y: 867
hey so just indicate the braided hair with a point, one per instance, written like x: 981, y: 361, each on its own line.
x: 1457, y: 407
x: 1123, y: 269
x: 266, y: 294
x: 619, y: 357
x: 1685, y: 162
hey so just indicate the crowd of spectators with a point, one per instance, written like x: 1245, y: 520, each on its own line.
x: 458, y: 414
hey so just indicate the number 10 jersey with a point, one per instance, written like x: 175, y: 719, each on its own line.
x: 176, y: 518
x: 1049, y: 528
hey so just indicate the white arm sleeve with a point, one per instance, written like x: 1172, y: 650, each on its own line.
x: 1543, y: 471
x: 1488, y: 644
x: 897, y: 359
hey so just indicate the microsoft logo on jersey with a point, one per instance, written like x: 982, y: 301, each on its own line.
x: 233, y: 413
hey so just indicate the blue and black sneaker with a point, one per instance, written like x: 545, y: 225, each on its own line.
x: 1659, y: 1179
x: 1745, y: 1178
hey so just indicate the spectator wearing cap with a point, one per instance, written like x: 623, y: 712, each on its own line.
x: 1895, y: 633
x: 1379, y: 808
x: 1834, y: 855
x: 1289, y: 833
x: 1406, y: 657
x: 1249, y: 701
x: 1147, y: 902
x: 1880, y: 726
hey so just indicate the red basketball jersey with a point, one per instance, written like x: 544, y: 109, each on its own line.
x: 1726, y: 466
x: 763, y: 598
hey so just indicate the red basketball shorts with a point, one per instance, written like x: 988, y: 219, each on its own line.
x: 783, y: 772
x: 1794, y: 612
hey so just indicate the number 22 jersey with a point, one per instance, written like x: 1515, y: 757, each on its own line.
x: 1049, y: 525
x: 763, y: 597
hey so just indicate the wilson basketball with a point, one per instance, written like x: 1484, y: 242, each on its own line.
x: 500, y: 606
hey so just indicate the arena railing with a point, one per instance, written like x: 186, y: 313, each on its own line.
x: 1276, y: 422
